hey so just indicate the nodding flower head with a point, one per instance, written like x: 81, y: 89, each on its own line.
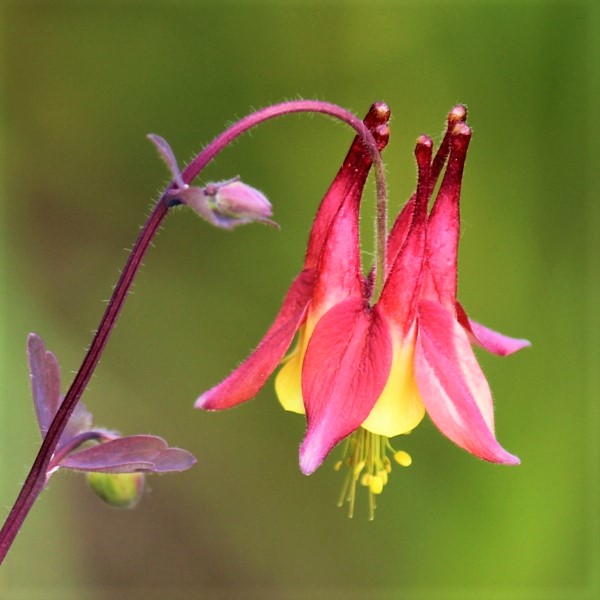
x: 371, y: 360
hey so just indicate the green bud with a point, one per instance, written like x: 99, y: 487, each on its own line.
x: 120, y: 490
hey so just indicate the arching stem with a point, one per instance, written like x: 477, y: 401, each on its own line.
x: 36, y: 479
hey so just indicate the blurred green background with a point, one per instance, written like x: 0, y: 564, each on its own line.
x: 84, y: 82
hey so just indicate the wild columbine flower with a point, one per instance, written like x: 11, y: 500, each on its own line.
x: 225, y: 204
x: 115, y: 465
x: 369, y: 362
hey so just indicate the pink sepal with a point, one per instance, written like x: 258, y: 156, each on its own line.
x: 444, y: 223
x: 345, y: 369
x: 407, y: 243
x: 452, y: 386
x: 490, y: 340
x: 245, y: 382
x: 339, y: 269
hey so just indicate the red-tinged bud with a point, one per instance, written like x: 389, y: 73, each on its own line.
x: 225, y: 204
x: 228, y: 204
x: 236, y: 203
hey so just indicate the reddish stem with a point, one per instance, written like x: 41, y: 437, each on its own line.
x: 36, y: 479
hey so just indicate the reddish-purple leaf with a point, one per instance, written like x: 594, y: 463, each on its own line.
x: 167, y: 155
x: 129, y: 454
x: 81, y: 420
x: 45, y: 385
x: 45, y: 381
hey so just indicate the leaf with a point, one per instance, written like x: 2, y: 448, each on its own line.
x: 130, y: 454
x: 44, y: 373
x: 167, y: 155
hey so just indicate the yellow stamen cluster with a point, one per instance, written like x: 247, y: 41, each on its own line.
x: 367, y: 457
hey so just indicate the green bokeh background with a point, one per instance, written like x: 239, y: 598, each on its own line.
x: 83, y: 82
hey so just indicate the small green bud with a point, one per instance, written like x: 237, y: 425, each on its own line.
x: 120, y: 490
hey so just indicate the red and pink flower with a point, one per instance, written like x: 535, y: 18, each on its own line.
x: 370, y: 362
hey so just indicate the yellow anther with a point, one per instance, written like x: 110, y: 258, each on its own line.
x: 376, y: 485
x: 368, y: 458
x: 358, y: 468
x: 403, y: 458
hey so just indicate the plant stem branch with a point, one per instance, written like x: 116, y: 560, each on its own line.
x: 37, y: 477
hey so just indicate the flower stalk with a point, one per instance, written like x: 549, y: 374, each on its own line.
x: 37, y: 477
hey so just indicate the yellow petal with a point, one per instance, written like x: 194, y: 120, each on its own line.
x: 288, y: 382
x: 399, y: 409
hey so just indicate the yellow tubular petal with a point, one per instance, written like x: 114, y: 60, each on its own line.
x: 399, y: 409
x: 288, y: 382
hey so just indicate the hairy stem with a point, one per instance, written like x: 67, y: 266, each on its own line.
x: 36, y: 479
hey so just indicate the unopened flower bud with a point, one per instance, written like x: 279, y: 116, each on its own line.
x: 225, y: 204
x: 235, y: 203
x: 120, y: 490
